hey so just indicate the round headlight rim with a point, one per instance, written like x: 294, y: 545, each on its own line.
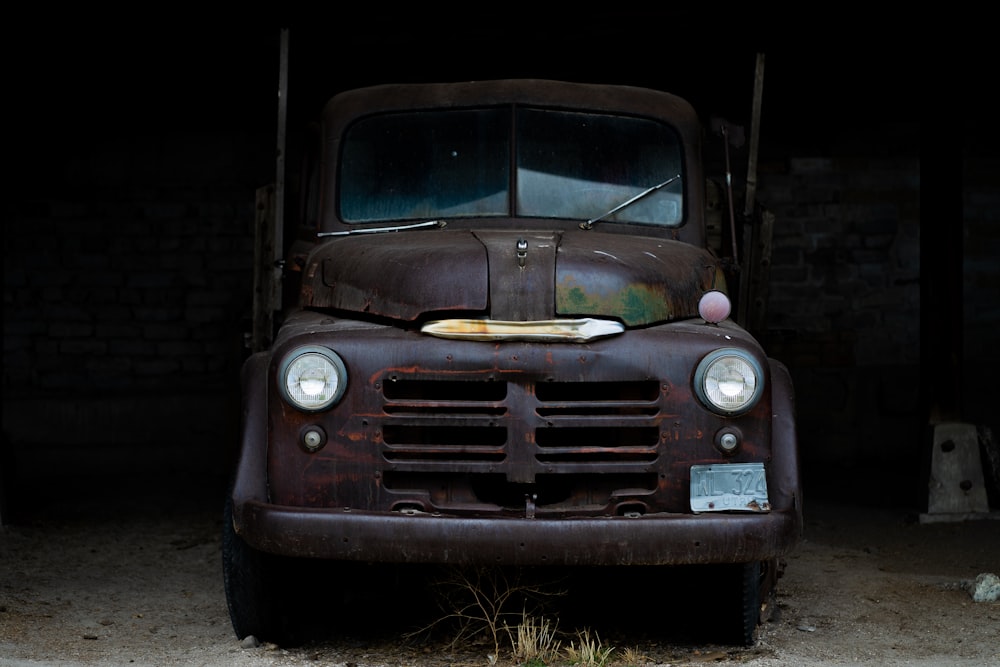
x: 340, y: 368
x: 714, y: 356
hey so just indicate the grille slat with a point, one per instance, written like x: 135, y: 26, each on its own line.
x: 456, y: 391
x: 465, y: 458
x: 644, y: 391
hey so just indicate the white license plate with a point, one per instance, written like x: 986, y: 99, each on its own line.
x: 729, y: 487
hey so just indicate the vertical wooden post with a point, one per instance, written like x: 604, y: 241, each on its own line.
x: 269, y: 225
x: 758, y: 230
x: 263, y: 270
x: 758, y: 92
x: 280, y: 169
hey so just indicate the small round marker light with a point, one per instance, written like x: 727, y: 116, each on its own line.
x: 714, y: 307
x: 313, y: 437
x: 728, y: 442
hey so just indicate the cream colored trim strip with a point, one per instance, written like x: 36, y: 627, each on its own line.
x: 575, y: 331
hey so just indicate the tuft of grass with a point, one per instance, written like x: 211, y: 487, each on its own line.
x: 534, y: 641
x: 479, y: 601
x: 632, y: 657
x: 590, y: 652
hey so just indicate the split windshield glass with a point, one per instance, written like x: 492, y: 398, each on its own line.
x: 438, y: 164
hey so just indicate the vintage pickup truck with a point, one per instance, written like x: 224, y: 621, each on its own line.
x: 512, y: 346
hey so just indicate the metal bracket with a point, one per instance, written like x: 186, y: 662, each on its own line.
x: 522, y: 252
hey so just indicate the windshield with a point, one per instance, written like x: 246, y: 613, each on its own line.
x: 467, y: 163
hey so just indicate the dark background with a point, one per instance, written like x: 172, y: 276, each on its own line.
x: 74, y: 84
x: 137, y: 143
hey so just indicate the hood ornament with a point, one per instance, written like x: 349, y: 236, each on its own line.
x: 522, y: 252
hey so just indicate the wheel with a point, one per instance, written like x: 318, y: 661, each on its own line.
x: 251, y: 590
x: 750, y: 599
x: 290, y: 601
x: 757, y: 582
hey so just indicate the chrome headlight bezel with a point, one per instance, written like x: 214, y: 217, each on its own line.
x: 328, y: 375
x: 729, y: 381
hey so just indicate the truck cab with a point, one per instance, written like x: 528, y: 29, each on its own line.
x: 512, y: 346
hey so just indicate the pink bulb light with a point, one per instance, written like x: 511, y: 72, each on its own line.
x: 714, y: 307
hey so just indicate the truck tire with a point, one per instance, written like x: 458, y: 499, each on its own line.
x: 751, y: 585
x: 251, y: 591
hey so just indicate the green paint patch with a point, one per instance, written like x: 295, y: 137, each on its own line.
x: 635, y: 304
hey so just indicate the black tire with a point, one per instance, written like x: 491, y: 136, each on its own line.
x: 290, y: 601
x: 750, y: 599
x: 251, y: 592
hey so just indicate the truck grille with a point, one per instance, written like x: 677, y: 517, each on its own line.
x: 501, y: 438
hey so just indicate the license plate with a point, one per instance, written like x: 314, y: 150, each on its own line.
x: 729, y: 487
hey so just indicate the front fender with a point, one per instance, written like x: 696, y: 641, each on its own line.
x: 250, y: 479
x: 785, y: 472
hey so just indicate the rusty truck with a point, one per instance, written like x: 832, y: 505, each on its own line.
x: 512, y: 345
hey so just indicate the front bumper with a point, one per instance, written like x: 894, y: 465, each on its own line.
x: 668, y: 539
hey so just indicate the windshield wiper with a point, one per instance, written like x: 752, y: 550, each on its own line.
x: 378, y: 230
x: 590, y: 223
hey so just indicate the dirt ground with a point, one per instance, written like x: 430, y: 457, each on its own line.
x: 88, y: 581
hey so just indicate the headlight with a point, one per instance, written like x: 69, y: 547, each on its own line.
x: 312, y: 378
x: 729, y: 381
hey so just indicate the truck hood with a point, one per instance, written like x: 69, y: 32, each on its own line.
x: 510, y: 275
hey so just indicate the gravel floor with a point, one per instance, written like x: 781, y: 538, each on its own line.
x: 87, y: 580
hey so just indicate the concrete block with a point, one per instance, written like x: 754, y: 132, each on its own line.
x: 956, y: 486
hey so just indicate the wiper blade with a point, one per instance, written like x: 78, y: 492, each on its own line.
x: 379, y: 230
x: 590, y: 223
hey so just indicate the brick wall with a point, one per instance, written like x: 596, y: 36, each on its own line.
x: 843, y: 311
x: 844, y: 307
x: 846, y: 263
x: 981, y: 289
x: 127, y: 292
x: 125, y: 296
x: 981, y: 243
